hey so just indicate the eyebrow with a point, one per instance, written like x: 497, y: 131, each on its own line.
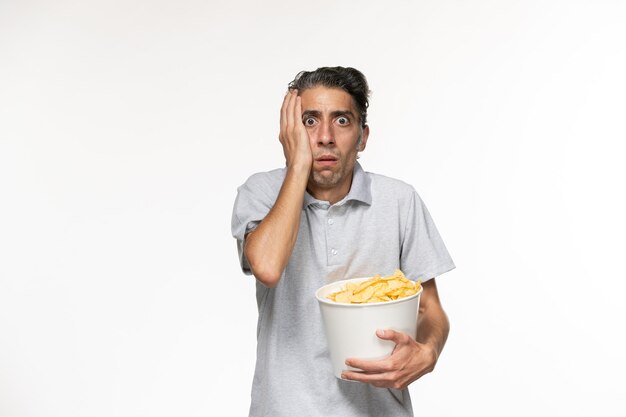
x: 333, y: 114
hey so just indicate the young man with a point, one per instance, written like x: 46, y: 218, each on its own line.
x: 321, y: 219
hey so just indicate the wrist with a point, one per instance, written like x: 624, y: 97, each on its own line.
x: 432, y: 350
x: 300, y: 169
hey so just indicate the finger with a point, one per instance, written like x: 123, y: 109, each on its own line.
x: 376, y: 379
x: 369, y: 365
x: 290, y: 109
x: 397, y: 337
x: 283, y: 114
x: 297, y: 113
x: 381, y: 365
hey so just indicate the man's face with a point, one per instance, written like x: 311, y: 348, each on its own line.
x: 334, y: 128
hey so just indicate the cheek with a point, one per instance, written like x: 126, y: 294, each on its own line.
x: 312, y: 134
x: 349, y: 143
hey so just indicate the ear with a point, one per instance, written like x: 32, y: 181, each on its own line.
x: 364, y: 136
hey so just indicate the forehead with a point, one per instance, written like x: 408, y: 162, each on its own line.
x: 326, y: 99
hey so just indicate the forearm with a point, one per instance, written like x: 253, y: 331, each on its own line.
x: 269, y: 247
x: 432, y: 325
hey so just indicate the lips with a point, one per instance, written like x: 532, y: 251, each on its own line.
x: 326, y: 160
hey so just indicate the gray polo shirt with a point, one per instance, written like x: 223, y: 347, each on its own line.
x: 382, y: 224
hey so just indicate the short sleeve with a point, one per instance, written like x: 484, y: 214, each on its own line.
x: 254, y: 200
x: 424, y: 255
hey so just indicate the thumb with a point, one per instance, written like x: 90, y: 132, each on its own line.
x: 388, y: 334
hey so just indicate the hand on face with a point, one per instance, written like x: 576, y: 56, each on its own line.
x: 293, y: 135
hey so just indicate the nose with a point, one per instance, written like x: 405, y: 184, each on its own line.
x: 326, y: 135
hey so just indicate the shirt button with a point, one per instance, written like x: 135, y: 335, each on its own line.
x: 333, y: 251
x: 331, y: 221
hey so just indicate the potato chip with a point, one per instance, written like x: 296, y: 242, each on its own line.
x: 377, y: 289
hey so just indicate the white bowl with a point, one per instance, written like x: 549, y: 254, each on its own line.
x: 351, y: 328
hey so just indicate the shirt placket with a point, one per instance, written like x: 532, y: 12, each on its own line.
x: 334, y: 248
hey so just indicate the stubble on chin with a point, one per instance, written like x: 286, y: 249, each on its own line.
x: 328, y: 180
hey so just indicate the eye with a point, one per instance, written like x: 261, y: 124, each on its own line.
x: 343, y: 121
x: 309, y: 121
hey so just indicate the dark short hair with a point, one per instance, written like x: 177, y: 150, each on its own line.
x: 350, y: 80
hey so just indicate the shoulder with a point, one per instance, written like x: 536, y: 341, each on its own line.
x: 258, y: 194
x: 383, y: 185
x: 268, y: 179
x: 392, y: 195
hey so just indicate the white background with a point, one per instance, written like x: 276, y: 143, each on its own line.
x: 126, y: 126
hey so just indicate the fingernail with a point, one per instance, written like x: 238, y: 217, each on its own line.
x: 380, y: 332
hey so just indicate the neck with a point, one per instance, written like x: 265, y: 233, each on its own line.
x: 332, y: 194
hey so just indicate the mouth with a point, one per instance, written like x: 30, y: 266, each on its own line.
x: 326, y: 160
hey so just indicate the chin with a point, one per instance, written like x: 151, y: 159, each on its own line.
x: 326, y: 180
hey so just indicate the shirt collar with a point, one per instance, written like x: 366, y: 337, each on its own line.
x: 360, y: 190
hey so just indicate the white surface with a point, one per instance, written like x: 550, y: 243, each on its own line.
x: 351, y: 328
x: 125, y: 128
